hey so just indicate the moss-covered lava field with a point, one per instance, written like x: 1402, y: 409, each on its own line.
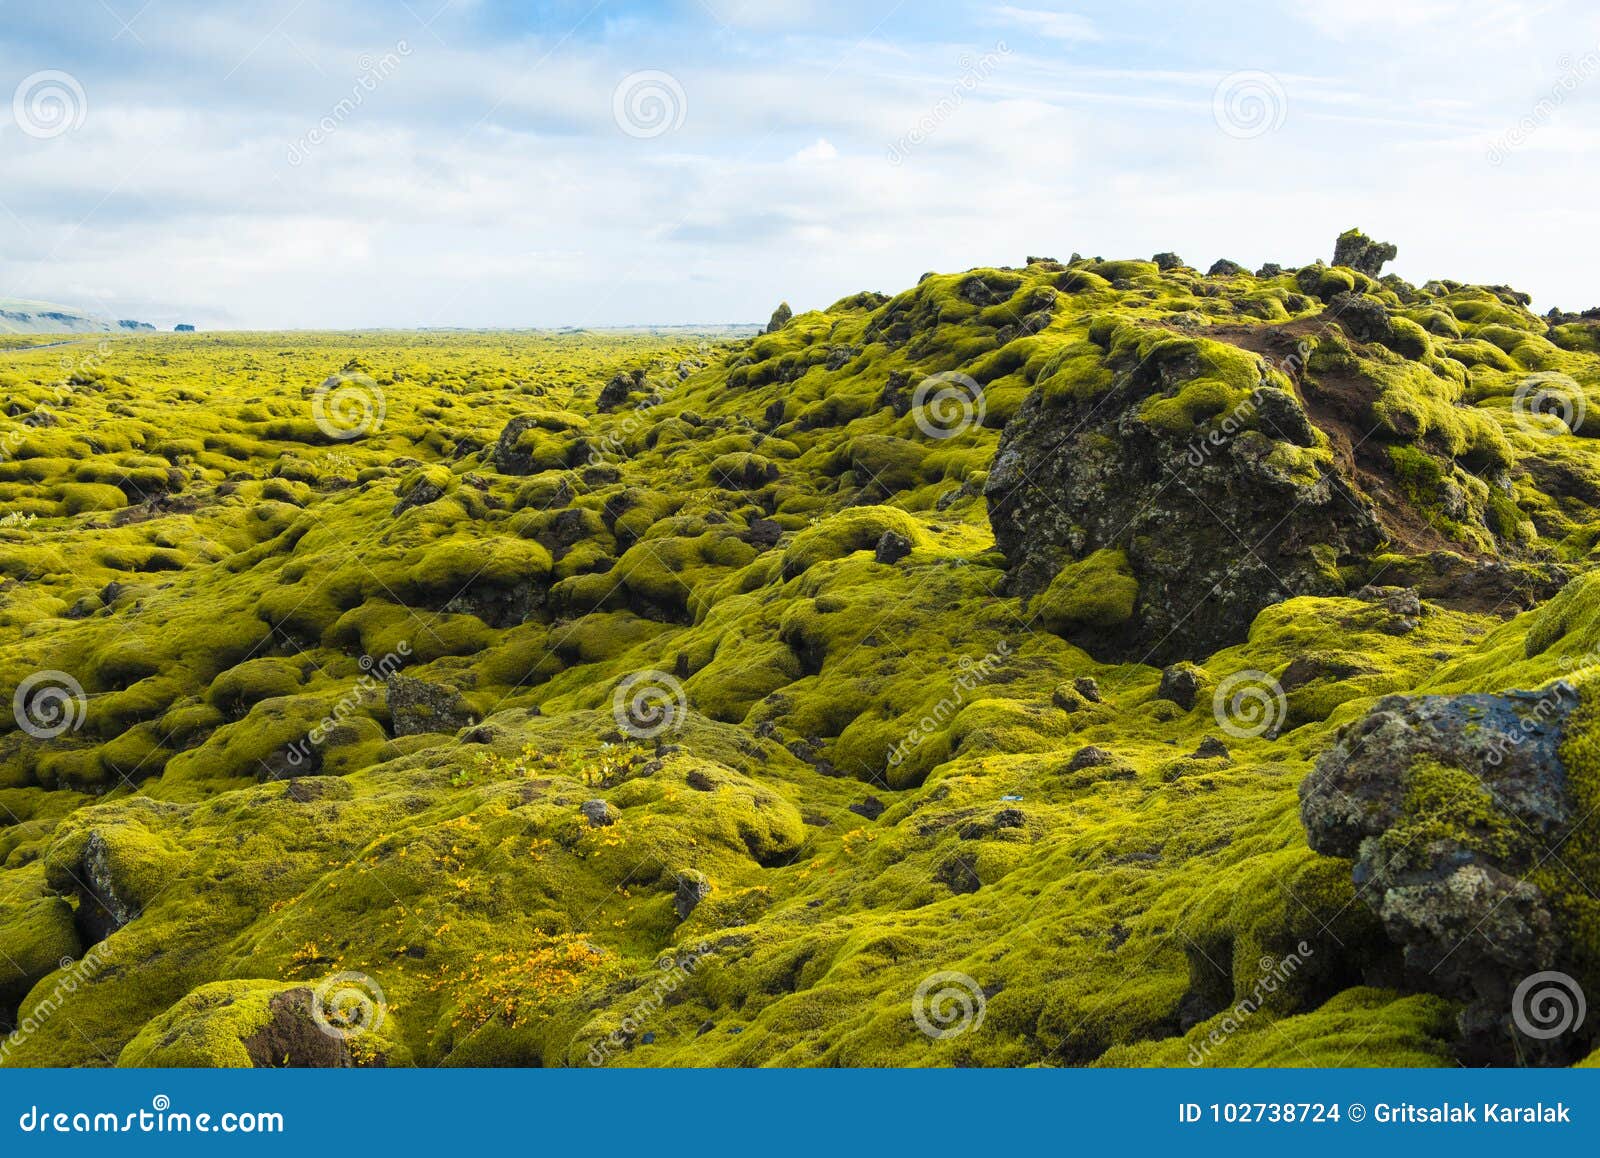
x: 1086, y: 662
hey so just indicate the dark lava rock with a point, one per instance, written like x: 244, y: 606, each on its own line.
x: 306, y: 790
x: 418, y: 706
x: 566, y: 530
x: 840, y: 356
x: 505, y: 455
x: 421, y: 494
x: 1210, y: 748
x: 1309, y: 667
x: 892, y: 547
x: 1448, y: 805
x: 1365, y: 318
x: 960, y: 873
x: 1355, y: 250
x: 291, y: 1037
x: 1180, y: 683
x: 988, y: 289
x: 751, y: 472
x: 988, y: 826
x: 106, y: 901
x: 598, y: 813
x: 1086, y: 687
x: 896, y: 393
x: 967, y: 490
x: 871, y: 808
x: 1222, y: 267
x: 1402, y: 603
x: 1067, y: 699
x: 1168, y: 260
x: 1270, y: 269
x: 692, y: 887
x: 1089, y: 757
x: 780, y: 318
x: 617, y: 391
x: 1073, y: 476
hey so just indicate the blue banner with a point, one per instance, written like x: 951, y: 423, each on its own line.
x: 773, y: 1113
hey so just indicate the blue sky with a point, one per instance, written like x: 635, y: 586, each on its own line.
x: 306, y: 164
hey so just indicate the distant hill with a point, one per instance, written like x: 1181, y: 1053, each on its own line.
x: 23, y: 317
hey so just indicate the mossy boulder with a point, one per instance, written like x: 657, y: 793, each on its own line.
x: 419, y: 706
x: 270, y: 1025
x: 1452, y: 808
x: 1165, y: 460
x: 1359, y: 252
x: 40, y: 937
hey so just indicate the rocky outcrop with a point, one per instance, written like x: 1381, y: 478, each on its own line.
x: 417, y: 706
x: 103, y: 905
x: 102, y: 871
x: 617, y: 391
x: 1180, y: 683
x: 780, y: 318
x: 1213, y: 528
x: 1449, y: 806
x: 1359, y: 252
x: 510, y: 455
x: 291, y: 1037
x: 691, y: 887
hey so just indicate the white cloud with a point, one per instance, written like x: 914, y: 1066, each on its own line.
x: 486, y: 183
x: 1065, y: 26
x: 817, y: 153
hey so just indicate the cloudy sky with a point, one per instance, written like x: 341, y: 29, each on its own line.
x: 295, y: 163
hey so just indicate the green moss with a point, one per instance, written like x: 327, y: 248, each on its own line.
x: 1097, y: 592
x: 845, y: 533
x: 724, y: 538
x: 40, y: 938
